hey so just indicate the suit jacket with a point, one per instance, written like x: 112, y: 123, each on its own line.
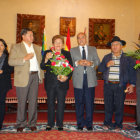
x: 5, y: 77
x: 138, y: 79
x: 21, y: 69
x: 127, y: 72
x: 50, y: 78
x: 79, y: 70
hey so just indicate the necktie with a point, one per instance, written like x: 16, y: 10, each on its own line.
x: 84, y: 56
x: 83, y: 53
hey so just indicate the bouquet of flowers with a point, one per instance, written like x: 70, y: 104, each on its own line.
x: 59, y: 64
x: 136, y: 55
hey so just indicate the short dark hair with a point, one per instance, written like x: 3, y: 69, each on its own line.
x: 24, y: 31
x: 57, y: 37
x: 5, y: 45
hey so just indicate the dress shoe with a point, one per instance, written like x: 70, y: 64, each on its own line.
x: 20, y: 129
x: 106, y: 127
x: 60, y: 128
x: 117, y: 129
x: 48, y: 128
x: 137, y: 128
x: 80, y: 128
x: 89, y: 128
x: 33, y: 128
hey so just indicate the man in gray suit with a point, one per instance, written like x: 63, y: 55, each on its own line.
x: 138, y: 99
x: 85, y: 60
x: 26, y: 59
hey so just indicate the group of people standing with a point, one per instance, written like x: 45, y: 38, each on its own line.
x: 29, y: 66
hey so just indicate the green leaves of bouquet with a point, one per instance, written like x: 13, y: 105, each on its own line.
x: 136, y: 55
x: 59, y: 64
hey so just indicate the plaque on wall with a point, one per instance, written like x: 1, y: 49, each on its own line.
x: 65, y: 23
x: 34, y: 22
x: 101, y: 31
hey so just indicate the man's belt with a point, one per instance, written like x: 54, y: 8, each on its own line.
x: 33, y: 72
x: 114, y: 82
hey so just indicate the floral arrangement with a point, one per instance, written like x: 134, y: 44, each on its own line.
x: 59, y: 64
x: 136, y: 55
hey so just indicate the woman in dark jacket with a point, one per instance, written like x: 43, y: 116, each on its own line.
x: 55, y: 86
x: 5, y: 78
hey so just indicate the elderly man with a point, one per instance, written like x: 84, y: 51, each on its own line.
x: 85, y: 60
x: 138, y: 99
x: 117, y: 71
x: 26, y: 58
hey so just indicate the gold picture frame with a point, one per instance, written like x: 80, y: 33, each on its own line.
x: 65, y: 23
x: 101, y: 31
x: 34, y: 22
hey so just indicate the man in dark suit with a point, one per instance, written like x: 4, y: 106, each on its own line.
x: 117, y: 69
x: 138, y: 99
x: 85, y: 60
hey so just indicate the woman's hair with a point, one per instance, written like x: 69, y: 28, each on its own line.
x: 5, y: 45
x: 57, y: 37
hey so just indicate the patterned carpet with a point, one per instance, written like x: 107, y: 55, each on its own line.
x: 127, y: 131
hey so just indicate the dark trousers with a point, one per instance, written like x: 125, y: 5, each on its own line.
x: 84, y: 98
x: 138, y: 97
x: 114, y: 97
x: 53, y: 94
x: 2, y: 106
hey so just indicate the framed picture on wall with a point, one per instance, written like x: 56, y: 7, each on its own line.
x: 34, y: 22
x: 65, y: 23
x: 101, y: 31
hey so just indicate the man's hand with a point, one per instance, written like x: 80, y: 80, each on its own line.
x: 81, y: 62
x: 1, y: 71
x: 28, y: 56
x: 88, y: 63
x: 84, y: 63
x: 129, y: 89
x: 110, y: 63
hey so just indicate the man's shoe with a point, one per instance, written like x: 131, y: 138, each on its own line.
x: 80, y: 128
x: 60, y: 128
x: 48, y: 128
x: 107, y: 127
x: 117, y: 129
x: 33, y: 128
x: 89, y: 128
x: 20, y: 129
x: 137, y: 128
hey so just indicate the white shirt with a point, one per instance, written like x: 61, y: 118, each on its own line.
x: 33, y: 62
x: 86, y: 50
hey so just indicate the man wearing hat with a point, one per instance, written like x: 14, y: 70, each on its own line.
x: 117, y: 69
